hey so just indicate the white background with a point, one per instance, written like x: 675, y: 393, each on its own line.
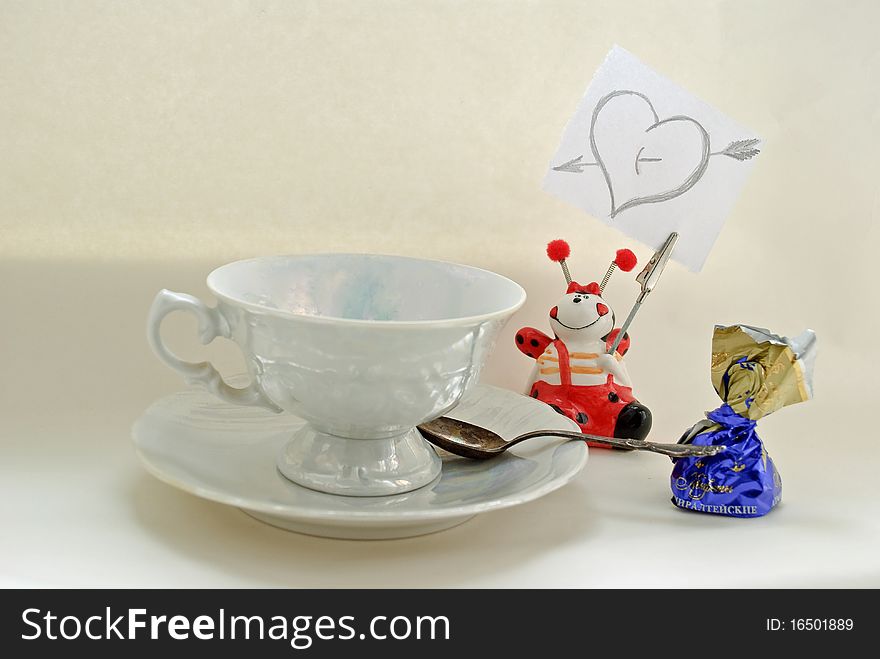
x: 144, y: 143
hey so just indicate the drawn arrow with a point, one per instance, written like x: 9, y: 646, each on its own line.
x: 738, y: 150
x: 575, y: 166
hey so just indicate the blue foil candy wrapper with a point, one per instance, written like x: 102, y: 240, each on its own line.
x: 754, y: 373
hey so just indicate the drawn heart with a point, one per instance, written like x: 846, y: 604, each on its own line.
x: 645, y: 159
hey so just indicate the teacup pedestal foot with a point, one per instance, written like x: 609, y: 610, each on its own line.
x: 359, y: 467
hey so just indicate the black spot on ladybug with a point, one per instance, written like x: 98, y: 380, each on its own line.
x: 613, y: 397
x: 581, y: 418
x: 534, y: 342
x: 520, y: 339
x: 558, y: 409
x: 534, y: 393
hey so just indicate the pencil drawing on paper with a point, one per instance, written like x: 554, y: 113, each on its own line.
x: 645, y: 159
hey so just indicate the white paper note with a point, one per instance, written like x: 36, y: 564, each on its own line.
x: 643, y: 155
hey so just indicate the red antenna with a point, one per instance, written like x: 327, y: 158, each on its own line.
x: 624, y: 259
x: 558, y: 250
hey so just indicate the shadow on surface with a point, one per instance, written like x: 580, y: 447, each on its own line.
x: 260, y: 554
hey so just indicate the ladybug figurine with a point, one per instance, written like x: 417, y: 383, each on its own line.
x: 574, y: 373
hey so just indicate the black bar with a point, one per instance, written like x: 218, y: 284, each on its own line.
x: 435, y: 622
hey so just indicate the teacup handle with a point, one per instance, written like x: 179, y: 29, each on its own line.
x: 212, y: 324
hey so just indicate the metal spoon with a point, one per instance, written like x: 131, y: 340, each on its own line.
x: 470, y: 441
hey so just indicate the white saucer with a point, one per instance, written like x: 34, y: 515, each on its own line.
x: 227, y: 453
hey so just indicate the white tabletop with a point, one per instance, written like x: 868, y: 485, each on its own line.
x: 78, y: 509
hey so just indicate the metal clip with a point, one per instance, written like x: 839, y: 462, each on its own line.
x: 648, y: 278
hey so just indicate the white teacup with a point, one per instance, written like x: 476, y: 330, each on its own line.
x: 364, y: 347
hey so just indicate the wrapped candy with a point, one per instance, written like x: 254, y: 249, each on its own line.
x: 755, y: 373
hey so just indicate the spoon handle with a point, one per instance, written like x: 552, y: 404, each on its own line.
x: 672, y: 450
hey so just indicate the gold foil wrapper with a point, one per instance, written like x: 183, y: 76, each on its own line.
x: 756, y: 372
